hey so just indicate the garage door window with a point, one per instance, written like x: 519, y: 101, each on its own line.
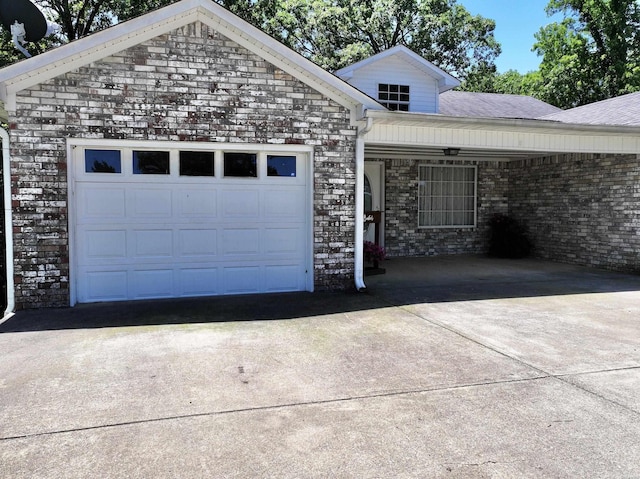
x: 197, y: 163
x: 150, y: 162
x: 281, y: 165
x: 102, y: 161
x: 240, y: 165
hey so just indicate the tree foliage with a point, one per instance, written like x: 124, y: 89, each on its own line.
x: 511, y: 82
x: 336, y: 33
x: 332, y: 33
x: 592, y: 54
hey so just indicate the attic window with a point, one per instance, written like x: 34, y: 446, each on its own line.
x: 394, y: 97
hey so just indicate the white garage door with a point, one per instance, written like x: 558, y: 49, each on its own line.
x: 154, y: 223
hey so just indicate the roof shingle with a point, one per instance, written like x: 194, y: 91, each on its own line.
x: 493, y: 105
x: 621, y: 110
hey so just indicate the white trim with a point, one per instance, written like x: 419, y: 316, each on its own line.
x: 310, y: 221
x: 71, y: 210
x: 445, y: 81
x: 186, y: 145
x: 420, y: 130
x: 107, y: 42
x: 8, y: 225
x: 359, y: 220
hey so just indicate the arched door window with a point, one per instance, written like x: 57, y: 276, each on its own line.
x: 368, y: 195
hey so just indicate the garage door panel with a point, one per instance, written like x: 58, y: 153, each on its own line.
x: 240, y: 204
x: 199, y: 281
x: 241, y: 279
x: 154, y: 203
x: 152, y: 243
x: 282, y: 241
x: 240, y: 242
x: 104, y: 286
x: 283, y: 204
x: 283, y: 278
x: 198, y: 242
x: 152, y: 283
x: 100, y: 202
x: 198, y: 203
x: 105, y: 245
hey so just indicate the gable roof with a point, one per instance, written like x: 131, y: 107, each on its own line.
x: 445, y: 81
x: 493, y: 105
x: 56, y: 62
x: 621, y: 110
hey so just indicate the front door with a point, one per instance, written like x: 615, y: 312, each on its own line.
x: 374, y: 198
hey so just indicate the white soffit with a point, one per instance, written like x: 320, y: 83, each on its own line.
x: 56, y: 62
x: 420, y: 131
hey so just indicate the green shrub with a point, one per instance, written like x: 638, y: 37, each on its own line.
x: 508, y: 239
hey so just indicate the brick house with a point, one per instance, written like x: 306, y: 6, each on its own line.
x: 187, y: 153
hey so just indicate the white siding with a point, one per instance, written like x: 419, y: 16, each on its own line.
x: 423, y: 87
x: 491, y: 138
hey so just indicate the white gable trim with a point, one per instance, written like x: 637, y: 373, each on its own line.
x: 95, y: 47
x: 445, y: 81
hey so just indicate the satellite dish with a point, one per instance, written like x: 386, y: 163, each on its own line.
x: 25, y: 21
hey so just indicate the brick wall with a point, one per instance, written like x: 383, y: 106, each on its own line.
x: 402, y: 235
x: 190, y: 85
x: 580, y: 208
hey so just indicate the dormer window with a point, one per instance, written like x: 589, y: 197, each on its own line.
x: 394, y: 97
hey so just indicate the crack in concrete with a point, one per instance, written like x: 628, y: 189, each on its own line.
x: 563, y: 378
x: 273, y: 407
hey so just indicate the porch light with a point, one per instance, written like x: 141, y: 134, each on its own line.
x: 451, y: 151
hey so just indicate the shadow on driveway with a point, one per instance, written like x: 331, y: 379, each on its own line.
x: 406, y: 281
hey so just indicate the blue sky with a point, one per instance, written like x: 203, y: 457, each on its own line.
x: 516, y: 22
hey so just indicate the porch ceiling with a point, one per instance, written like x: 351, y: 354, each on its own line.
x: 418, y: 152
x: 402, y: 134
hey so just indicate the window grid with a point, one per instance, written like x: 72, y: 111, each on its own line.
x: 394, y: 97
x: 446, y: 196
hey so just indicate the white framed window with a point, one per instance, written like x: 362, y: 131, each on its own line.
x: 119, y: 161
x: 447, y: 196
x: 394, y: 97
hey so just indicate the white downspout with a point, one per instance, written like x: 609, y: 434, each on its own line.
x: 8, y: 224
x: 359, y: 226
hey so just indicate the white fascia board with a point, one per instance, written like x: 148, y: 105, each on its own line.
x: 85, y: 51
x: 421, y: 130
x: 431, y: 119
x: 445, y: 81
x: 107, y: 42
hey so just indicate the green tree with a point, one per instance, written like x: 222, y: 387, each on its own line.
x: 592, y: 54
x: 512, y: 82
x: 332, y: 33
x: 336, y: 33
x: 79, y: 18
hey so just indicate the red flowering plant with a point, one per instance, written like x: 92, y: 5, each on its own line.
x: 373, y: 252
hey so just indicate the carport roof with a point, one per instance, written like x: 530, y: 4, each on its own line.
x: 401, y: 134
x: 621, y: 110
x: 493, y: 105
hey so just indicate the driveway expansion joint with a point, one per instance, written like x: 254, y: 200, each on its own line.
x: 542, y: 372
x: 274, y: 407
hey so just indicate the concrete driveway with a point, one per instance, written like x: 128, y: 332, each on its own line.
x: 446, y: 367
